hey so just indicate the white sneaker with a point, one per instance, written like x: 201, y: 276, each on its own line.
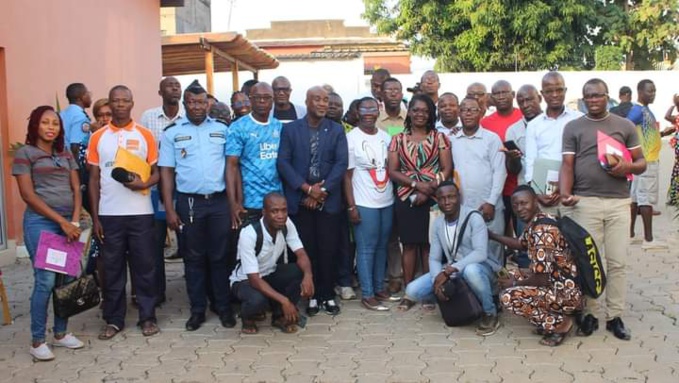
x: 69, y: 341
x: 41, y: 353
x: 654, y: 245
x: 347, y: 293
x: 636, y: 241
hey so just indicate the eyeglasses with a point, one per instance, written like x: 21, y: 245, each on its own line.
x: 285, y: 90
x: 256, y: 98
x: 592, y: 96
x: 55, y: 159
x: 240, y: 104
x: 367, y: 110
x: 469, y: 110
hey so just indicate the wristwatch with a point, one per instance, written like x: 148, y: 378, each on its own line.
x: 413, y: 184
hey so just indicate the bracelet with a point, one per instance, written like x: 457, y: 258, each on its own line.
x: 76, y: 224
x: 351, y: 208
x: 309, y: 190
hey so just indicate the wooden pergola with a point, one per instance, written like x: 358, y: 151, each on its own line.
x: 213, y: 52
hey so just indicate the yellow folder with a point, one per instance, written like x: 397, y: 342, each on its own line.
x: 133, y: 163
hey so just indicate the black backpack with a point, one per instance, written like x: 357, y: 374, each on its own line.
x: 259, y: 241
x: 591, y: 276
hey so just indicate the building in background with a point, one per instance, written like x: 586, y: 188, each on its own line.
x: 331, y: 40
x: 192, y: 17
x: 46, y: 45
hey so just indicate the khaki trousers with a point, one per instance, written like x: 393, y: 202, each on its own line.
x: 607, y: 220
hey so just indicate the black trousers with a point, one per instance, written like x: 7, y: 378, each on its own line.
x: 320, y: 233
x: 205, y: 247
x: 129, y: 239
x: 286, y: 280
x: 160, y: 228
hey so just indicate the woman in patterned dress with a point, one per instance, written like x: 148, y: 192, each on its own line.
x: 673, y: 192
x: 419, y: 159
x: 547, y: 295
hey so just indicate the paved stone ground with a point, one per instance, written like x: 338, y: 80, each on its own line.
x: 360, y: 345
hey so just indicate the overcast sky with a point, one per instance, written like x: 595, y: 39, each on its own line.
x: 250, y: 14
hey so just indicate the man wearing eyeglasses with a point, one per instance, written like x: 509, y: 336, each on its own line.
x: 594, y: 193
x: 544, y: 133
x: 284, y: 110
x: 251, y: 152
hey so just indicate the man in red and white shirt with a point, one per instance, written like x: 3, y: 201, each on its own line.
x: 122, y: 216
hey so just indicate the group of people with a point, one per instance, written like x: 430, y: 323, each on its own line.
x: 277, y: 202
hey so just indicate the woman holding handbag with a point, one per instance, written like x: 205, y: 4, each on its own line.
x: 47, y: 177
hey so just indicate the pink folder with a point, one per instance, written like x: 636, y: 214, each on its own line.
x: 609, y: 145
x: 56, y: 254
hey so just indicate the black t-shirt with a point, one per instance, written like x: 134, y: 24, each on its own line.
x: 285, y: 115
x: 622, y: 110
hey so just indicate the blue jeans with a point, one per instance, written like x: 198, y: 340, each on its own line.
x: 479, y: 276
x: 372, y: 236
x: 521, y: 258
x: 44, y: 280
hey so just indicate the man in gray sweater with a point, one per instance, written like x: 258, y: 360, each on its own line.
x: 465, y: 252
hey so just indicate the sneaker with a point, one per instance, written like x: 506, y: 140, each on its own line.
x: 174, y: 258
x: 347, y: 293
x: 373, y: 304
x: 653, y: 245
x: 636, y: 241
x: 312, y: 309
x: 69, y: 341
x: 394, y: 286
x: 41, y: 353
x: 331, y: 307
x: 488, y: 325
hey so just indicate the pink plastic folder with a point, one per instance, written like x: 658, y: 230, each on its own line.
x: 56, y: 254
x: 609, y: 145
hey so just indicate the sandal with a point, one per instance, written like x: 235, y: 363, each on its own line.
x: 283, y: 325
x: 556, y: 338
x: 428, y: 306
x: 405, y: 304
x: 149, y: 328
x: 249, y: 326
x: 108, y: 332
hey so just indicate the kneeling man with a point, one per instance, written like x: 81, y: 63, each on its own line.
x: 465, y: 253
x: 259, y: 279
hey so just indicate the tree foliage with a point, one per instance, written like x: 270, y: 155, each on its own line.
x: 496, y: 35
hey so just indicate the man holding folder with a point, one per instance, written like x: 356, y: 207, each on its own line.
x: 122, y: 212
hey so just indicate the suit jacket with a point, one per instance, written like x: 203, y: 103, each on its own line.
x: 472, y: 247
x: 294, y: 158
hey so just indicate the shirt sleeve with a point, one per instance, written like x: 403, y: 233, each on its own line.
x: 167, y: 158
x: 292, y: 239
x: 351, y: 152
x: 569, y: 140
x: 636, y: 115
x: 234, y: 141
x: 151, y: 145
x: 246, y: 251
x: 78, y: 129
x: 93, y: 148
x: 444, y: 142
x: 497, y: 160
x: 395, y: 143
x: 531, y: 151
x: 21, y: 164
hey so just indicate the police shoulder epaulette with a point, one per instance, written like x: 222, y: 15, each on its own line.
x: 169, y: 126
x: 221, y: 122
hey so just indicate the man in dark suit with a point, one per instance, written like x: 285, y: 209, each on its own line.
x: 312, y: 160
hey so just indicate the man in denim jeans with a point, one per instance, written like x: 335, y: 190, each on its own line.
x: 465, y: 253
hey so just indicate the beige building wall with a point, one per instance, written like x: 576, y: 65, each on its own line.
x: 47, y: 44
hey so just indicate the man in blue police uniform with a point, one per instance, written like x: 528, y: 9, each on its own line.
x: 193, y: 159
x: 75, y: 119
x: 312, y: 160
x: 252, y: 149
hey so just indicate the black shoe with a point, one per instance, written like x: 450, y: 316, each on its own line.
x: 587, y: 325
x: 618, y: 329
x: 313, y: 308
x: 195, y: 322
x: 228, y: 320
x: 331, y: 307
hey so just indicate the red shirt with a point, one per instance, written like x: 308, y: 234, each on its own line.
x: 499, y: 124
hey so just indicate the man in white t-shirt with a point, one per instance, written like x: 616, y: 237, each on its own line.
x: 261, y: 277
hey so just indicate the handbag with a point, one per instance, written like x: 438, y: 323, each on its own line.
x: 462, y: 306
x: 76, y: 296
